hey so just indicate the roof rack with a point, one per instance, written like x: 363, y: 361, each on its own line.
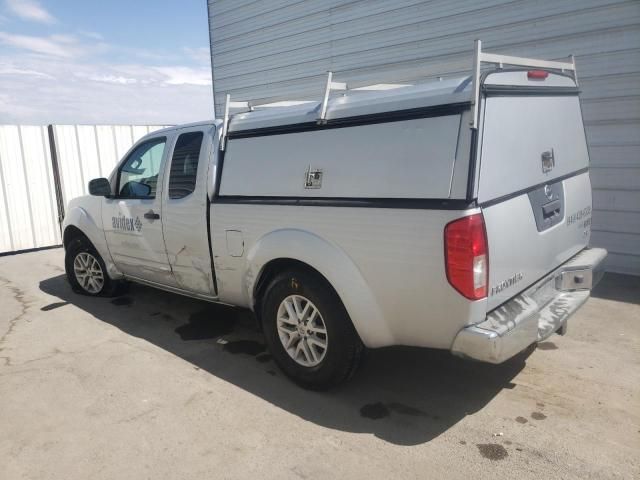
x: 479, y: 58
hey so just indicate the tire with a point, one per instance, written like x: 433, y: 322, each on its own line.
x: 305, y: 361
x: 78, y: 255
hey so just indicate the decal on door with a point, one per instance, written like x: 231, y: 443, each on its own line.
x: 126, y: 224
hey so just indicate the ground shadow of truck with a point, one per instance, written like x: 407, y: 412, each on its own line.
x: 405, y: 396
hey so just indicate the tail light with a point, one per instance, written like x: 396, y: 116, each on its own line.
x: 467, y: 256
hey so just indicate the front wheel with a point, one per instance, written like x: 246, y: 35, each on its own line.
x: 86, y: 270
x: 309, y: 332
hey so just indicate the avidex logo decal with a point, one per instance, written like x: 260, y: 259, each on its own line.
x: 126, y: 224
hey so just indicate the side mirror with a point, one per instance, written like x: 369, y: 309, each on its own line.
x: 100, y: 187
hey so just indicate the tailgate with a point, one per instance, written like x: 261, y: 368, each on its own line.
x: 533, y: 187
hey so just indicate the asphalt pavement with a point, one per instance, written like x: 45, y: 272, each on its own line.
x: 160, y: 386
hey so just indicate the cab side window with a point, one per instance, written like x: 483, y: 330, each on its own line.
x: 184, y: 165
x: 138, y: 175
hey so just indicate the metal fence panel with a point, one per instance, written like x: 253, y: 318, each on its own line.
x: 91, y: 151
x: 28, y: 216
x: 28, y: 206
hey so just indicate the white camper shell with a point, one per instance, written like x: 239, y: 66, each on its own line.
x: 453, y: 214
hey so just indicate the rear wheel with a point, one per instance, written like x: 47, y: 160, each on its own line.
x: 86, y: 270
x: 309, y: 332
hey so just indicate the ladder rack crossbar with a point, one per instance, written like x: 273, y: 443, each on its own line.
x: 525, y: 62
x: 480, y: 57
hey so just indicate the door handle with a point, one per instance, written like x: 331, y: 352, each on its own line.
x: 150, y: 215
x: 551, y: 209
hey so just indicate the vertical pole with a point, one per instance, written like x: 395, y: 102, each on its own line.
x: 575, y: 72
x: 49, y: 174
x: 53, y: 149
x: 325, y: 99
x: 225, y: 123
x: 475, y: 85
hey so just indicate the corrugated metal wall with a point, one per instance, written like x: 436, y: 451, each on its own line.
x: 28, y: 211
x: 28, y: 206
x: 284, y: 47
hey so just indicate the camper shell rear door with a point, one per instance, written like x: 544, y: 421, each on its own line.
x: 533, y: 179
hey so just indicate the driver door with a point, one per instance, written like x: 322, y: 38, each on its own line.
x: 132, y: 220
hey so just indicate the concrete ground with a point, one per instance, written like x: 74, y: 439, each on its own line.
x: 154, y: 385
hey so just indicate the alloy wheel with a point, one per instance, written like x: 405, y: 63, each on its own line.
x: 88, y: 272
x: 302, y: 330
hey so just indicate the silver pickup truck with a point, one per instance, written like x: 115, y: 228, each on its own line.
x: 453, y: 214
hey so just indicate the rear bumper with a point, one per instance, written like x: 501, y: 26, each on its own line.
x: 535, y: 314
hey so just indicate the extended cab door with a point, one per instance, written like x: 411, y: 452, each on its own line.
x: 132, y: 220
x: 185, y: 210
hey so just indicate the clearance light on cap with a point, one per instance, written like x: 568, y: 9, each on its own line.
x: 537, y: 74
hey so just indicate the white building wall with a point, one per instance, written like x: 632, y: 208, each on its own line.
x: 285, y: 47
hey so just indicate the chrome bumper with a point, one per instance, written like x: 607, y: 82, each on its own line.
x: 535, y: 314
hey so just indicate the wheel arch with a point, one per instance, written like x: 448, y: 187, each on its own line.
x: 286, y: 249
x: 276, y: 266
x: 79, y: 223
x: 71, y: 232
